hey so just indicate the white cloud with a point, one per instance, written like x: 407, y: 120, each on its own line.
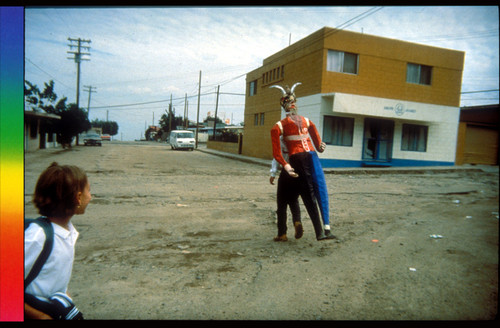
x: 149, y: 53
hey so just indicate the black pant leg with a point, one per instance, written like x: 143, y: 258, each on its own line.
x: 281, y: 200
x: 301, y: 163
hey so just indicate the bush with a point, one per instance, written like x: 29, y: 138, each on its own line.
x: 227, y: 136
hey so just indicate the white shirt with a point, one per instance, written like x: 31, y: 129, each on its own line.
x: 274, y: 164
x: 56, y: 272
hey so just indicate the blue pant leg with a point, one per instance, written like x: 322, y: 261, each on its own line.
x: 320, y: 189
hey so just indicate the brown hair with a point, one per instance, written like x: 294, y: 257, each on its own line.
x: 57, y: 188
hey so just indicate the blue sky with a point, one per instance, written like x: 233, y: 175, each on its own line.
x: 140, y: 57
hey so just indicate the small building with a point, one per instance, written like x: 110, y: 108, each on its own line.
x: 478, y: 135
x: 35, y: 136
x: 375, y: 101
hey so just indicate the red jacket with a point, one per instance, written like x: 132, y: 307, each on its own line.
x: 295, y: 140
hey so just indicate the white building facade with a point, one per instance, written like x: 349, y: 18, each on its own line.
x: 370, y: 131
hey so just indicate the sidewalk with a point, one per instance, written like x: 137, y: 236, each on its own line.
x: 365, y: 170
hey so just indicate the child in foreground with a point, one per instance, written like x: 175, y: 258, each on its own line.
x: 61, y: 192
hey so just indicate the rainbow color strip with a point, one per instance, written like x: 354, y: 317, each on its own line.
x: 11, y: 163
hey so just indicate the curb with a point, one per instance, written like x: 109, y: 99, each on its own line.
x: 362, y: 170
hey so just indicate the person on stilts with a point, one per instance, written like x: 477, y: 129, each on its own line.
x: 295, y: 130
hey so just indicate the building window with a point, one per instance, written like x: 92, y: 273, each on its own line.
x: 414, y: 137
x: 253, y: 88
x: 338, y: 131
x: 419, y: 74
x: 274, y: 75
x: 258, y: 119
x: 343, y: 62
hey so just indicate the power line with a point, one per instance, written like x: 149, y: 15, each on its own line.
x: 337, y: 29
x: 150, y: 102
x: 227, y: 93
x: 481, y: 91
x: 168, y: 100
x: 170, y: 78
x: 471, y: 99
x: 78, y: 57
x: 331, y: 32
x: 53, y: 78
x: 450, y: 37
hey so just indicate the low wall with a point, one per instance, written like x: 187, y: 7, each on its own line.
x: 228, y: 147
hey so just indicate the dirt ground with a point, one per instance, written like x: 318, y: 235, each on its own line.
x: 187, y: 235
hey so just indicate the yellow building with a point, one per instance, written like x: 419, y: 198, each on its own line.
x: 374, y: 100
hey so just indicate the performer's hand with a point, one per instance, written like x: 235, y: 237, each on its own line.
x: 322, y: 147
x: 289, y: 169
x: 271, y: 180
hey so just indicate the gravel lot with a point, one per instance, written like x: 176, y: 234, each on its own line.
x: 187, y: 235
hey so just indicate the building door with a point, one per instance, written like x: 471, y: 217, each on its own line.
x: 377, y: 140
x: 481, y: 145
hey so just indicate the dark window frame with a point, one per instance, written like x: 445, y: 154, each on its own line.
x: 338, y: 130
x: 418, y: 74
x: 411, y: 137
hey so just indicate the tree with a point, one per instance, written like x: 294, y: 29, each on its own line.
x: 108, y: 127
x: 73, y: 119
x: 73, y: 122
x: 44, y: 100
x: 211, y: 119
x: 169, y: 122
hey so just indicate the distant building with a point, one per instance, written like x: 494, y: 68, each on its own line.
x: 35, y: 137
x: 374, y: 100
x: 478, y: 135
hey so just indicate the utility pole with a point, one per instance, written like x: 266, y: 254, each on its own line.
x: 78, y: 57
x: 216, y: 106
x: 198, y: 112
x: 89, y: 90
x: 170, y: 115
x: 186, y: 120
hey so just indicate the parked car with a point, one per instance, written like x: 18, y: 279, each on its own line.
x: 92, y: 139
x: 182, y: 139
x: 106, y: 137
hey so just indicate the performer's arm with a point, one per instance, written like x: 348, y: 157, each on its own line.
x: 274, y: 169
x: 275, y: 140
x: 313, y: 132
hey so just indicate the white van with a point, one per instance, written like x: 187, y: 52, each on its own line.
x: 182, y: 139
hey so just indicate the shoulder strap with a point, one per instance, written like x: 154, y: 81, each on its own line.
x: 47, y: 247
x: 280, y: 126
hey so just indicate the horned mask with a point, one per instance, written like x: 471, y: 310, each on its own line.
x: 288, y: 94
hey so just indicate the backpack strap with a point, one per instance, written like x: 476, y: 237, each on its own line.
x: 47, y: 247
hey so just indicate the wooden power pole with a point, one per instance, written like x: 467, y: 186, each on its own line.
x: 89, y: 90
x: 78, y: 57
x: 198, y: 112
